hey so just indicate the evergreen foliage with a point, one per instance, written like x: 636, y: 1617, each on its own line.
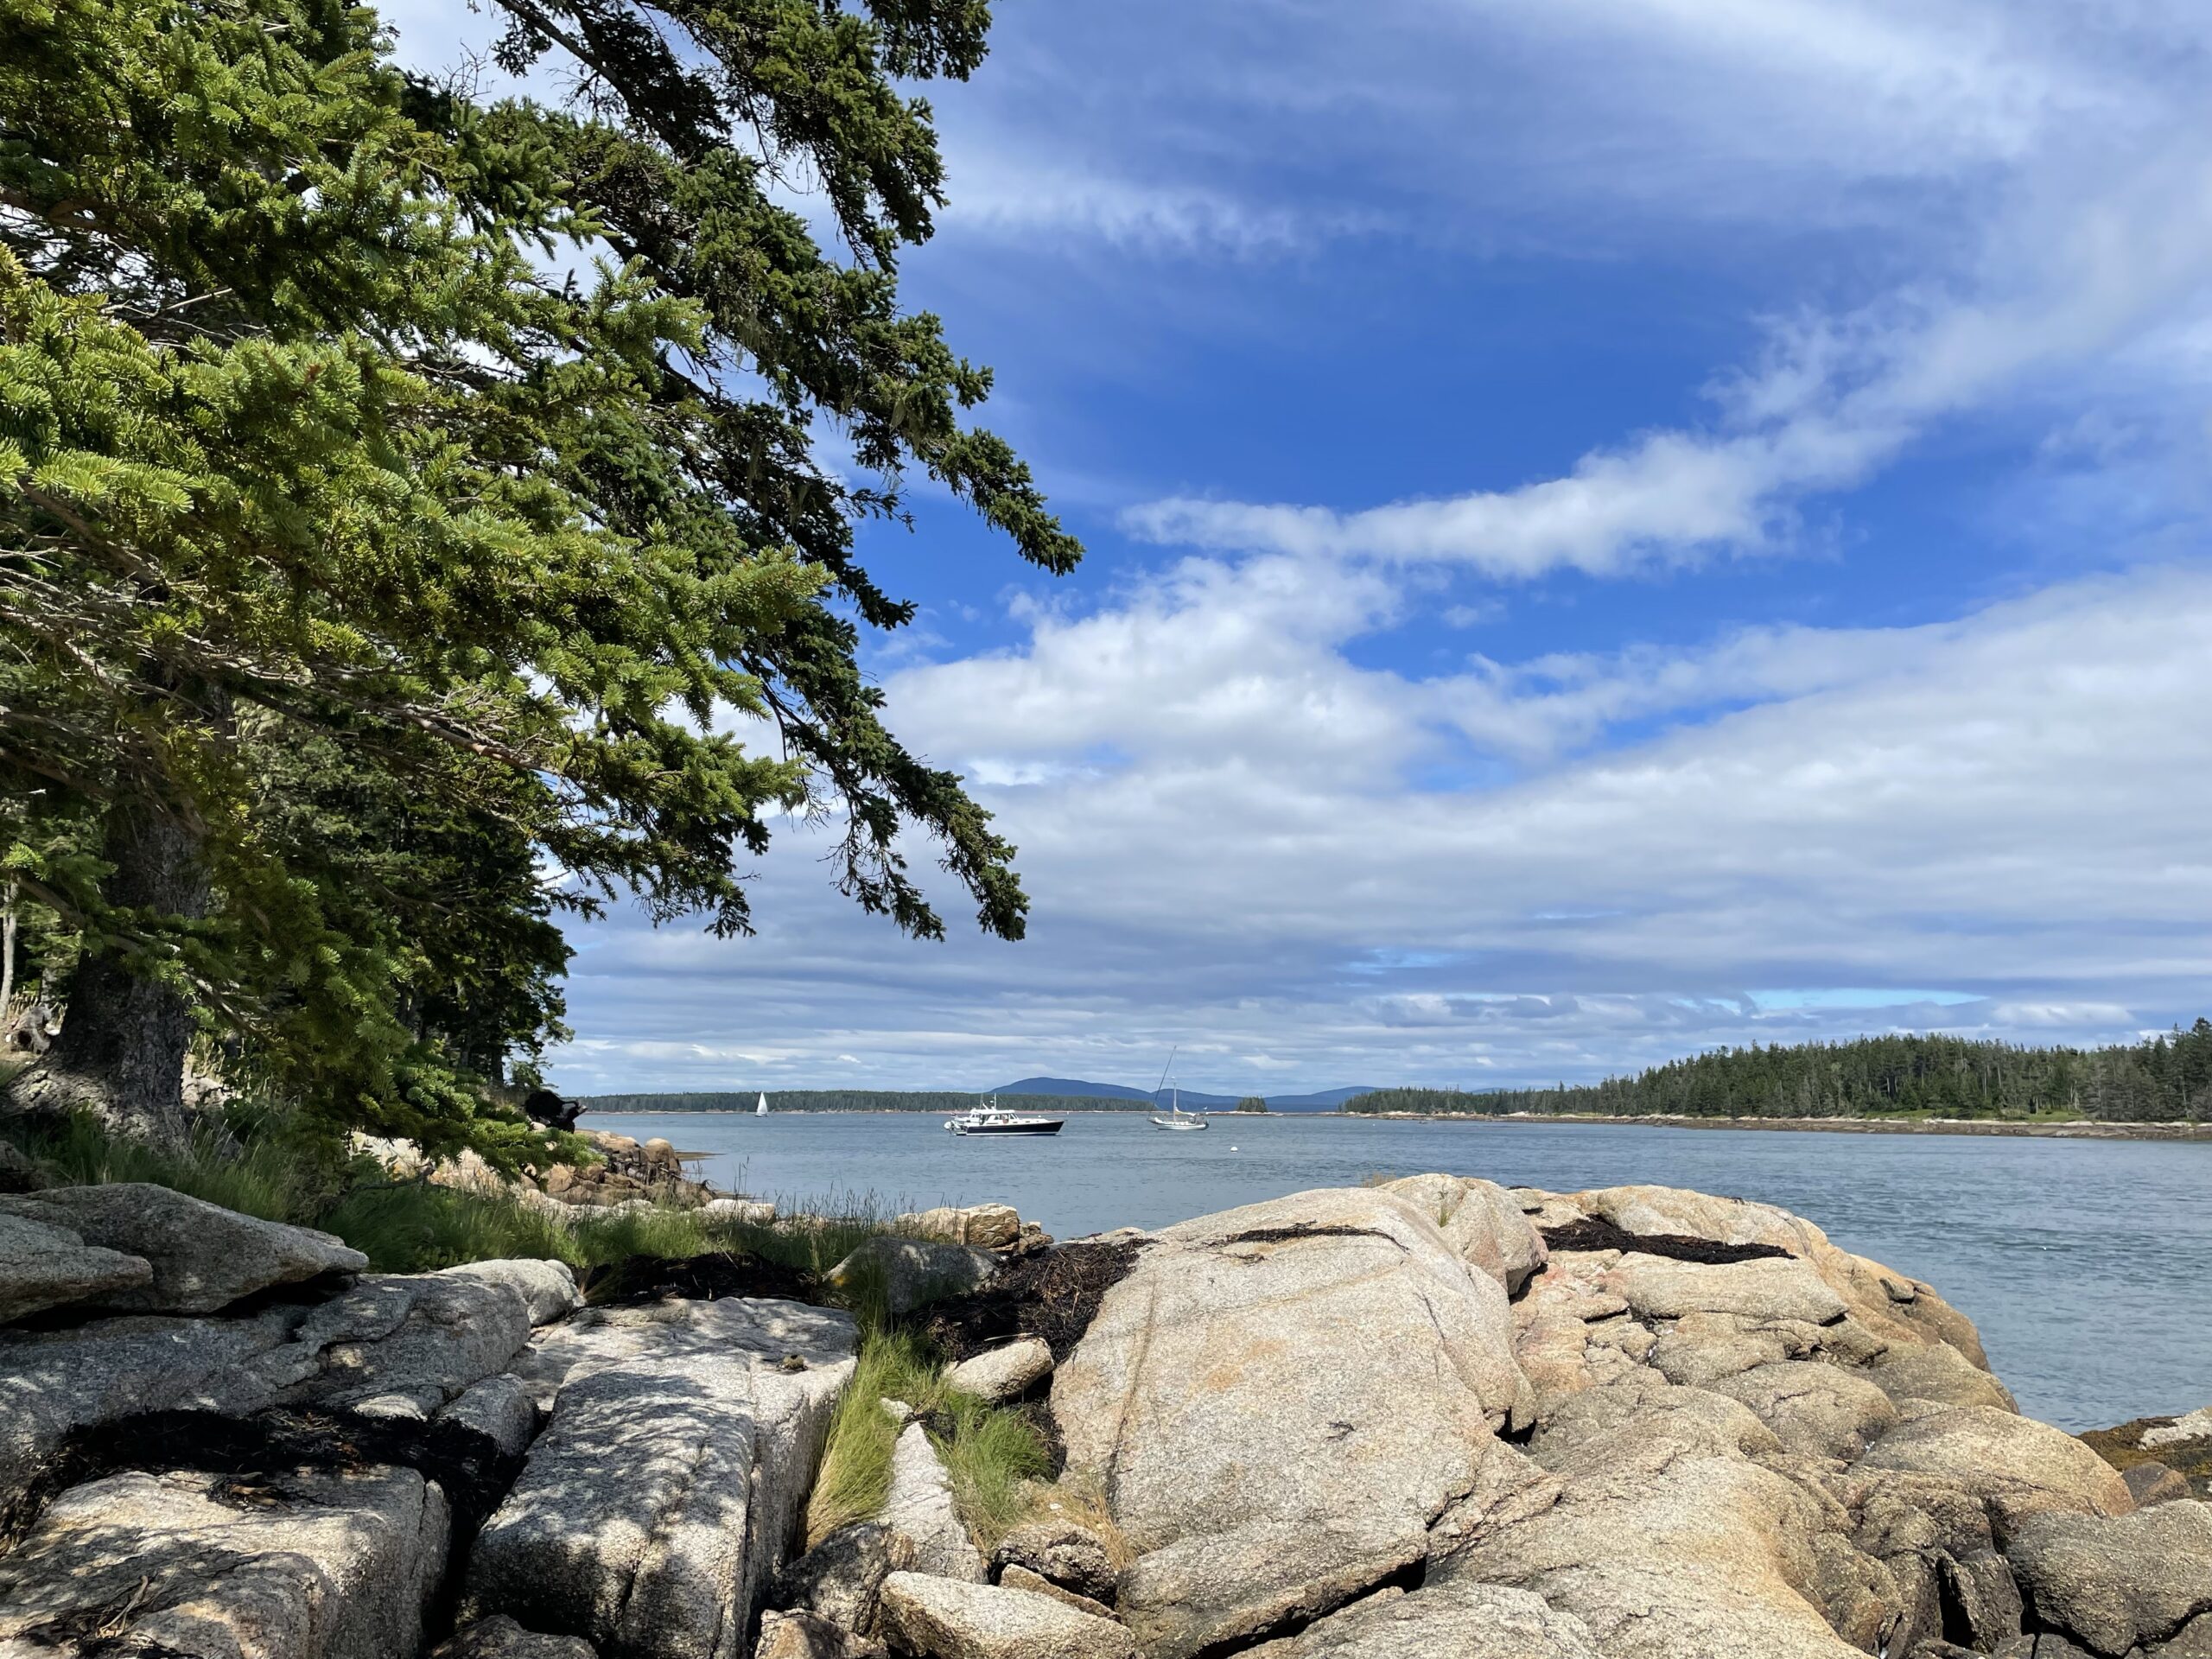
x: 405, y: 493
x: 2167, y: 1080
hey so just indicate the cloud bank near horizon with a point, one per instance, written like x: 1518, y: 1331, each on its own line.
x: 1809, y: 632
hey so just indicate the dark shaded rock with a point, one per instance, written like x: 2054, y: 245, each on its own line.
x: 1066, y: 1552
x: 500, y: 1637
x: 841, y: 1579
x: 403, y: 1345
x: 2155, y: 1483
x: 2167, y: 1440
x: 17, y: 1172
x: 911, y: 1272
x: 473, y: 1468
x: 2115, y: 1584
x: 1014, y: 1576
x: 1980, y: 1603
x: 636, y: 1280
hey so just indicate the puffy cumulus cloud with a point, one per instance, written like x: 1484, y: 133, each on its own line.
x: 1993, y: 824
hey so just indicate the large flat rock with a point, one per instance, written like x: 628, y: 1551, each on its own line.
x: 203, y: 1257
x: 1277, y: 1401
x: 413, y: 1343
x: 1771, y: 1289
x: 1667, y: 1549
x: 548, y: 1289
x: 672, y: 1478
x: 2016, y: 1465
x: 944, y: 1619
x: 1459, y: 1618
x: 45, y: 1263
x: 300, y: 1566
x: 2117, y: 1586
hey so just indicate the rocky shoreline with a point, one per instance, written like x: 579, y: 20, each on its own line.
x: 2072, y: 1129
x: 1436, y: 1419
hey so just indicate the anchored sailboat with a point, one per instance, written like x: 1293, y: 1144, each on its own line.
x: 1177, y: 1118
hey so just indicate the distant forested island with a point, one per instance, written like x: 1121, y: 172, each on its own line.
x: 2167, y: 1080
x: 849, y: 1100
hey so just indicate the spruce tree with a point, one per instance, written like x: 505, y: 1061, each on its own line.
x: 383, y: 465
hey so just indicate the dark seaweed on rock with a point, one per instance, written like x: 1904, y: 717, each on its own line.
x: 1593, y: 1234
x: 718, y: 1273
x: 1053, y: 1294
x: 256, y: 1452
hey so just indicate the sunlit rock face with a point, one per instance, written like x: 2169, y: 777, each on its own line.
x: 1435, y: 1418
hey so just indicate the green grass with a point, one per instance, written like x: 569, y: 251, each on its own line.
x: 258, y: 1178
x: 994, y: 1456
x: 413, y: 1227
x: 856, y: 1474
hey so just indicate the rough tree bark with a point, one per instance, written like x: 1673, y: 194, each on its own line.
x: 120, y: 1054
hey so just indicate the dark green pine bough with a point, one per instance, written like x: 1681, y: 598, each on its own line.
x: 406, y: 494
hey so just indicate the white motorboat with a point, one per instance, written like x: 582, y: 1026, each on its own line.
x: 1177, y: 1118
x: 987, y: 1119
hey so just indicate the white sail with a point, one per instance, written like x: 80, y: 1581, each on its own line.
x: 761, y: 1110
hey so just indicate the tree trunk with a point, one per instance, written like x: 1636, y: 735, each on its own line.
x: 124, y: 1034
x: 8, y: 952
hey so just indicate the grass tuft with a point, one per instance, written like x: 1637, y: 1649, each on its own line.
x: 414, y: 1227
x: 856, y: 1474
x: 259, y: 1178
x: 993, y: 1458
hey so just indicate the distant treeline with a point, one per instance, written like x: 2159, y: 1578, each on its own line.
x: 850, y: 1100
x: 2165, y: 1080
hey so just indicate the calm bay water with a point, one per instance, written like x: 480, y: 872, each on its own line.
x: 2084, y: 1262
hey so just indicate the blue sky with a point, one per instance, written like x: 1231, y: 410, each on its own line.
x: 1614, y: 527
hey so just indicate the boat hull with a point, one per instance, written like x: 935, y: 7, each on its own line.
x: 1050, y: 1126
x: 1179, y: 1123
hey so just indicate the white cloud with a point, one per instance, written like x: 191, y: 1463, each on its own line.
x: 2069, y: 280
x: 2001, y: 817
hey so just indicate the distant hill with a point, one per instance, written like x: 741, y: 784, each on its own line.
x: 1071, y: 1088
x: 1327, y: 1100
x: 1037, y: 1094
